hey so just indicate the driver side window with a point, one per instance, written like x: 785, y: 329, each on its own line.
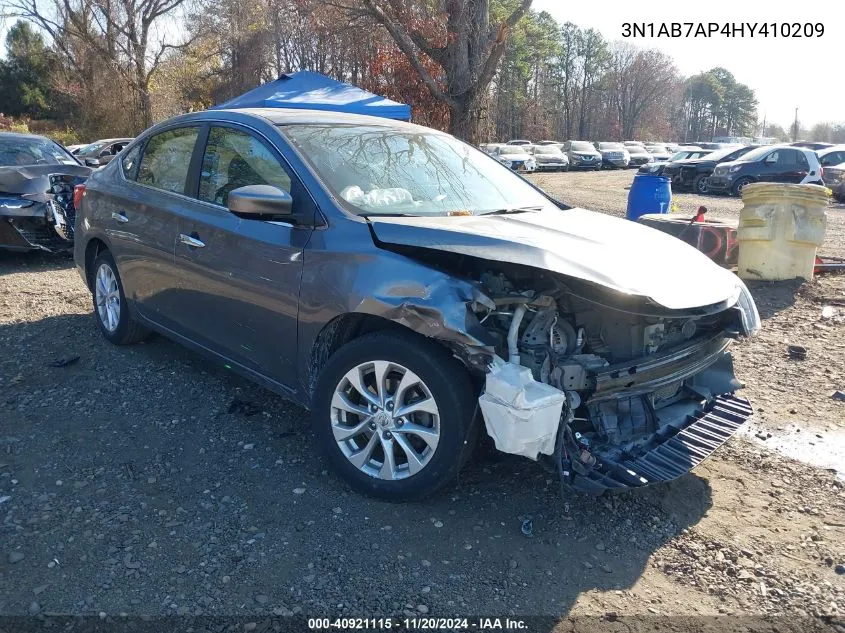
x: 234, y: 159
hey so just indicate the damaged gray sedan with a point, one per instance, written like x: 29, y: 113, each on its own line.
x: 37, y: 182
x: 412, y: 291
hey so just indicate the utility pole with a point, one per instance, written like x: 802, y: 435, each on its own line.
x: 795, y: 127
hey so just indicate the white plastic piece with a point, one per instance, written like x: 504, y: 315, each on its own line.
x: 513, y: 334
x: 377, y: 197
x: 521, y: 415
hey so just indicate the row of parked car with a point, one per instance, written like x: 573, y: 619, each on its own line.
x: 523, y: 155
x: 702, y: 168
x: 729, y: 170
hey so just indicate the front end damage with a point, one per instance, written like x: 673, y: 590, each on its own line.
x: 612, y: 391
x: 41, y: 216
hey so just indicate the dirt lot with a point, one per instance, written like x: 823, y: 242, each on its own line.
x: 130, y: 483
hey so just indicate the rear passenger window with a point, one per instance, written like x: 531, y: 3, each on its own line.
x: 166, y: 159
x: 130, y: 162
x: 834, y: 158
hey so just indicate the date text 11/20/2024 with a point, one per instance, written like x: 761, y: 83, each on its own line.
x: 722, y: 29
x: 421, y: 623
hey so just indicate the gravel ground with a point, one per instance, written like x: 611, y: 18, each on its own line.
x: 132, y: 480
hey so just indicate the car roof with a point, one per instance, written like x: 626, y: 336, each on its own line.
x: 289, y: 116
x: 827, y: 150
x: 24, y: 136
x: 112, y: 140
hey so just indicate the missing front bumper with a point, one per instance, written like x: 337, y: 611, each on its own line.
x: 41, y: 227
x: 673, y: 451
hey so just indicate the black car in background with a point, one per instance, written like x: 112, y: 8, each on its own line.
x: 37, y: 180
x: 770, y: 163
x: 694, y: 173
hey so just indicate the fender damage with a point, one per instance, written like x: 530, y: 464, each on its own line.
x: 618, y: 379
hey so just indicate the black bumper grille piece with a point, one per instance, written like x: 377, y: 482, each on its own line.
x: 677, y: 451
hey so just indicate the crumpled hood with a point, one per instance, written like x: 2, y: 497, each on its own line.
x: 35, y: 178
x: 619, y: 254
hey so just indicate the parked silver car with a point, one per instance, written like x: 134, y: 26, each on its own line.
x: 582, y: 155
x: 101, y: 152
x: 613, y: 155
x: 550, y: 158
x: 639, y: 154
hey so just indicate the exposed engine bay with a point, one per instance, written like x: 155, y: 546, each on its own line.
x: 37, y: 210
x: 632, y: 376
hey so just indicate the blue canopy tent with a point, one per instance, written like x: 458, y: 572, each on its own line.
x: 313, y: 91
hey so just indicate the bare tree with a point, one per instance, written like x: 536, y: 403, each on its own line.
x: 461, y: 36
x: 121, y: 31
x: 639, y: 79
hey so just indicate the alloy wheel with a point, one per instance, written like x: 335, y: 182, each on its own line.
x: 107, y: 296
x: 385, y: 420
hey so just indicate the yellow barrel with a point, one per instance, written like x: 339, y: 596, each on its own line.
x: 780, y: 228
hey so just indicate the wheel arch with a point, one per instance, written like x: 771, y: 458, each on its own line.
x: 93, y: 248
x: 349, y: 326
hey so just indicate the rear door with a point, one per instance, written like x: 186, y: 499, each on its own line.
x: 238, y: 292
x: 791, y: 166
x: 139, y: 216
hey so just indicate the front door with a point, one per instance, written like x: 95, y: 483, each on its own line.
x: 239, y: 278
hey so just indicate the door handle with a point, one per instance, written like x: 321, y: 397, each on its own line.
x: 193, y: 242
x: 119, y: 217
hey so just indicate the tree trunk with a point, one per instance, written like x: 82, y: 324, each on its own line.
x: 463, y: 119
x: 146, y: 107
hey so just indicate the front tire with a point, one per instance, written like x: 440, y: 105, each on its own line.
x: 110, y: 309
x: 701, y: 184
x: 393, y: 415
x: 739, y: 185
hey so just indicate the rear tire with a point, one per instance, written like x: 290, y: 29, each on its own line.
x: 110, y: 309
x: 358, y: 427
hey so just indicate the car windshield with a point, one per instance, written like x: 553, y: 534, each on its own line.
x: 611, y: 146
x: 719, y: 154
x: 379, y: 170
x: 756, y: 154
x: 510, y: 150
x: 547, y: 149
x: 582, y: 146
x: 33, y: 151
x: 91, y: 151
x: 681, y: 155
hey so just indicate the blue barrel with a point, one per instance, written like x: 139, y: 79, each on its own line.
x: 650, y: 193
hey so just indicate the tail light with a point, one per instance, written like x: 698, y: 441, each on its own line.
x: 78, y: 193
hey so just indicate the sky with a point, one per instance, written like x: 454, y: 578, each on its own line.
x: 784, y: 73
x: 803, y: 73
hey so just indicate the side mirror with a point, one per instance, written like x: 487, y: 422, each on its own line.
x: 260, y: 202
x: 92, y: 162
x: 771, y: 159
x: 105, y: 160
